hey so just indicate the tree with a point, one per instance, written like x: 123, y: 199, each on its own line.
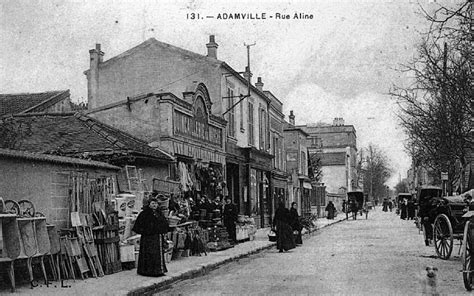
x: 436, y: 109
x: 375, y: 172
x: 401, y: 187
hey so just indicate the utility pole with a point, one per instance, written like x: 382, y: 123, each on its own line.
x: 247, y: 69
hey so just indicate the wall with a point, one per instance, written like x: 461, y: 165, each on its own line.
x: 44, y: 184
x: 143, y: 121
x: 334, y: 177
x: 156, y: 68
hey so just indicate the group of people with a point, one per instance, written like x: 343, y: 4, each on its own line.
x: 288, y: 227
x: 387, y: 205
x: 407, y: 209
x: 153, y: 225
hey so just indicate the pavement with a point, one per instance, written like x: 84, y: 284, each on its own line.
x: 127, y: 282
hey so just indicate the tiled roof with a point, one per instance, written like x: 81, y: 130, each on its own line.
x: 54, y: 159
x: 333, y: 158
x: 19, y: 103
x: 73, y: 135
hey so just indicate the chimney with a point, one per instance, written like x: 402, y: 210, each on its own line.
x: 212, y: 47
x: 247, y: 74
x: 259, y: 84
x: 96, y: 57
x: 292, y: 118
x: 341, y: 121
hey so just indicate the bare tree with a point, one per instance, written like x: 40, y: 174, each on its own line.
x: 436, y: 109
x: 375, y: 171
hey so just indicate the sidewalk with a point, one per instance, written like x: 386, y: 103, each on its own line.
x: 129, y: 283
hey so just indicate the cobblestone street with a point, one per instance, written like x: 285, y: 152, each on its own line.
x: 379, y: 256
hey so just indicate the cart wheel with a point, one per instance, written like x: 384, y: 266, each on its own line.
x: 443, y: 236
x: 466, y: 258
x: 26, y: 207
x: 12, y: 207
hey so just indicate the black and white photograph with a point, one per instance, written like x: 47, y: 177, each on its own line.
x: 206, y: 147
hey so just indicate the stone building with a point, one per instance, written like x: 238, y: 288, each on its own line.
x: 297, y: 165
x: 336, y: 145
x: 154, y: 67
x: 280, y: 179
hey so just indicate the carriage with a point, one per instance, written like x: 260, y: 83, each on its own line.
x: 447, y: 216
x: 360, y: 206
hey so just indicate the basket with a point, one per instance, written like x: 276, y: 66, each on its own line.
x: 272, y: 236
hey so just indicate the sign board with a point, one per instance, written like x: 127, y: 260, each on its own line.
x: 444, y: 176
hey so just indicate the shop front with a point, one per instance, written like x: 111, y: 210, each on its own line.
x: 259, y: 199
x: 279, y: 190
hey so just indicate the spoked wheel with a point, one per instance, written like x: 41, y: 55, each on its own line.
x: 12, y: 207
x: 443, y: 236
x: 27, y: 209
x: 467, y: 272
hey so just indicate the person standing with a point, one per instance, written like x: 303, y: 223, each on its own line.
x: 331, y: 209
x: 390, y: 205
x: 295, y: 223
x: 230, y: 215
x: 285, y: 239
x: 152, y: 225
x: 403, y: 209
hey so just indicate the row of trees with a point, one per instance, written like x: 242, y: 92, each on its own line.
x: 436, y: 110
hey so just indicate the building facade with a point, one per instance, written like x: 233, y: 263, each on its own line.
x: 297, y: 165
x: 336, y: 146
x: 154, y: 67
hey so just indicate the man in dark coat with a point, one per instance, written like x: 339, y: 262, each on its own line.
x: 230, y: 215
x: 151, y: 224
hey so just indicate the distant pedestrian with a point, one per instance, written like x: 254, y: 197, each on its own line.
x: 385, y: 205
x: 281, y: 221
x: 331, y: 209
x: 152, y: 225
x: 230, y: 218
x: 403, y: 209
x: 344, y: 205
x: 295, y: 223
x: 390, y: 205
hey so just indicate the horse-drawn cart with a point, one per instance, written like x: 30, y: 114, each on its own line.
x: 356, y: 204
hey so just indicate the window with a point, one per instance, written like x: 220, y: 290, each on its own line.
x: 231, y: 117
x: 251, y: 136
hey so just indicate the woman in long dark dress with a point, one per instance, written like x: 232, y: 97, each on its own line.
x: 281, y: 221
x: 151, y: 224
x: 295, y: 223
x: 331, y: 209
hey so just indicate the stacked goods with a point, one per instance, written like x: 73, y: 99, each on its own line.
x: 218, y: 239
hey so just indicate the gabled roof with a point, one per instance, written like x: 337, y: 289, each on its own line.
x: 16, y: 154
x: 161, y: 45
x: 74, y: 135
x: 29, y: 102
x: 186, y: 55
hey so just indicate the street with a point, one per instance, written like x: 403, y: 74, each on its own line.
x: 379, y: 256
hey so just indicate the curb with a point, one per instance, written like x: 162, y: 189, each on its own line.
x: 204, y: 269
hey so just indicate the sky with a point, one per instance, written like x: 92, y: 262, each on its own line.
x: 340, y: 63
